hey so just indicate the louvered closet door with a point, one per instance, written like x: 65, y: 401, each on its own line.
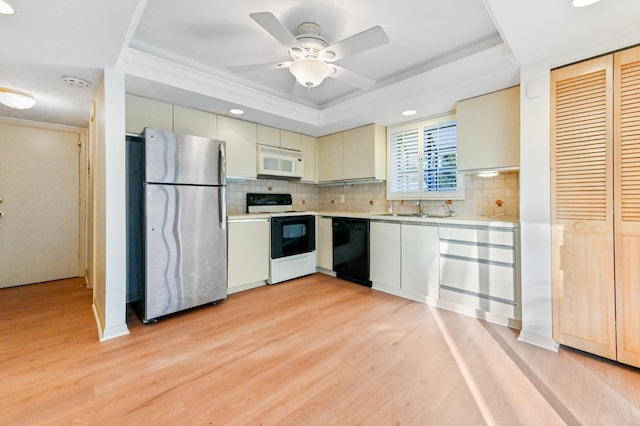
x: 582, y: 207
x: 627, y: 203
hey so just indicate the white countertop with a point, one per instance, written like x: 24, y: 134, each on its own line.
x: 457, y: 220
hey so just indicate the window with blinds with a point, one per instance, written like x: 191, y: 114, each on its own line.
x: 422, y: 160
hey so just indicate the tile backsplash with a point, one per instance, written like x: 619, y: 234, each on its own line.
x: 497, y: 196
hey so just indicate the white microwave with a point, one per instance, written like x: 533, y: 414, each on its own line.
x: 279, y: 163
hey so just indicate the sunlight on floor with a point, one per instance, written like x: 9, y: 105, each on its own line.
x: 519, y: 397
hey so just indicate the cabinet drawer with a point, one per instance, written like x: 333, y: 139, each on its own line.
x: 479, y: 303
x: 478, y: 277
x: 478, y: 235
x: 496, y: 254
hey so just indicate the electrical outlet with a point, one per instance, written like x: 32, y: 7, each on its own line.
x: 342, y: 198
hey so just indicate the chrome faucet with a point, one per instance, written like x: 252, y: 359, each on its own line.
x: 449, y: 211
x: 420, y: 206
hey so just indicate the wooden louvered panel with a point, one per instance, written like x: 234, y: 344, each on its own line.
x: 627, y: 204
x: 582, y: 199
x: 628, y: 119
x: 580, y: 148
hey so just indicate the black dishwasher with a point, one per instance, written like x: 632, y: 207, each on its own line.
x: 351, y: 249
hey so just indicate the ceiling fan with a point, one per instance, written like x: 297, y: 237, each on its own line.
x: 312, y: 57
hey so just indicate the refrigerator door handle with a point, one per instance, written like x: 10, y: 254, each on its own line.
x: 222, y: 164
x: 222, y: 206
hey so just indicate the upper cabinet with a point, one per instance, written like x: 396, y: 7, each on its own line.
x: 187, y: 121
x: 144, y: 112
x: 290, y: 140
x: 489, y: 131
x: 241, y: 147
x: 279, y: 138
x: 268, y: 135
x: 330, y: 155
x: 356, y: 154
x: 308, y: 148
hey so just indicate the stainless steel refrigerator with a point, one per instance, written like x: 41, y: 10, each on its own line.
x: 176, y: 223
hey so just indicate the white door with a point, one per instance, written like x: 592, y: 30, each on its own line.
x: 40, y: 192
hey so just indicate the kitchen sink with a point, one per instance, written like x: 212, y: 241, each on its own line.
x: 423, y: 215
x: 399, y: 214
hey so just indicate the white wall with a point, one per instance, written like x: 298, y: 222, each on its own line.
x: 109, y: 239
x: 535, y: 208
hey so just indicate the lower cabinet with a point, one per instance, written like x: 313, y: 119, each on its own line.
x: 404, y: 259
x: 324, y: 244
x: 478, y: 269
x: 248, y: 255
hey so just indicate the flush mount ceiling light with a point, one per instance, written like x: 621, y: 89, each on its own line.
x: 236, y: 111
x: 582, y: 3
x: 5, y: 8
x: 409, y: 112
x: 310, y: 72
x: 16, y: 99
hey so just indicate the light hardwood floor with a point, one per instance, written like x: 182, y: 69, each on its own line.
x: 316, y: 350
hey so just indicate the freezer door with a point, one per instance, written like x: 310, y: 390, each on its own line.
x: 186, y: 248
x: 180, y: 159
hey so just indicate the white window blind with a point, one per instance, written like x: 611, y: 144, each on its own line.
x: 440, y: 158
x: 422, y: 160
x: 404, y: 160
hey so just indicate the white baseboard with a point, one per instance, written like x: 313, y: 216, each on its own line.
x: 535, y: 339
x: 111, y: 332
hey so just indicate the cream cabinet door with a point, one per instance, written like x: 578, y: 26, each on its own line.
x: 330, y: 157
x: 248, y: 257
x: 324, y: 243
x: 241, y: 147
x: 385, y: 254
x: 420, y: 264
x: 290, y: 140
x: 308, y: 148
x: 365, y: 153
x: 488, y: 130
x: 143, y: 112
x: 268, y: 135
x: 187, y: 121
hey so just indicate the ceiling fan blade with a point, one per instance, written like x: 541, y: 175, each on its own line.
x: 260, y: 67
x: 368, y: 39
x: 353, y: 78
x: 274, y: 27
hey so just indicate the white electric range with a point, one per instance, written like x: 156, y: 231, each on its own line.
x: 293, y: 236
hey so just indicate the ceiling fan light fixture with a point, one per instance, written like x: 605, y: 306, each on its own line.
x: 16, y: 99
x: 310, y: 72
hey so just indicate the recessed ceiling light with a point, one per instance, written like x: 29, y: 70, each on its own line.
x: 5, y: 8
x: 409, y: 112
x: 16, y: 99
x: 582, y: 3
x: 236, y: 111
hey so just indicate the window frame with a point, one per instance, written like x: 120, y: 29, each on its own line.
x: 401, y: 172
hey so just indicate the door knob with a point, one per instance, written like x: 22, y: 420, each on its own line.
x: 1, y: 213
